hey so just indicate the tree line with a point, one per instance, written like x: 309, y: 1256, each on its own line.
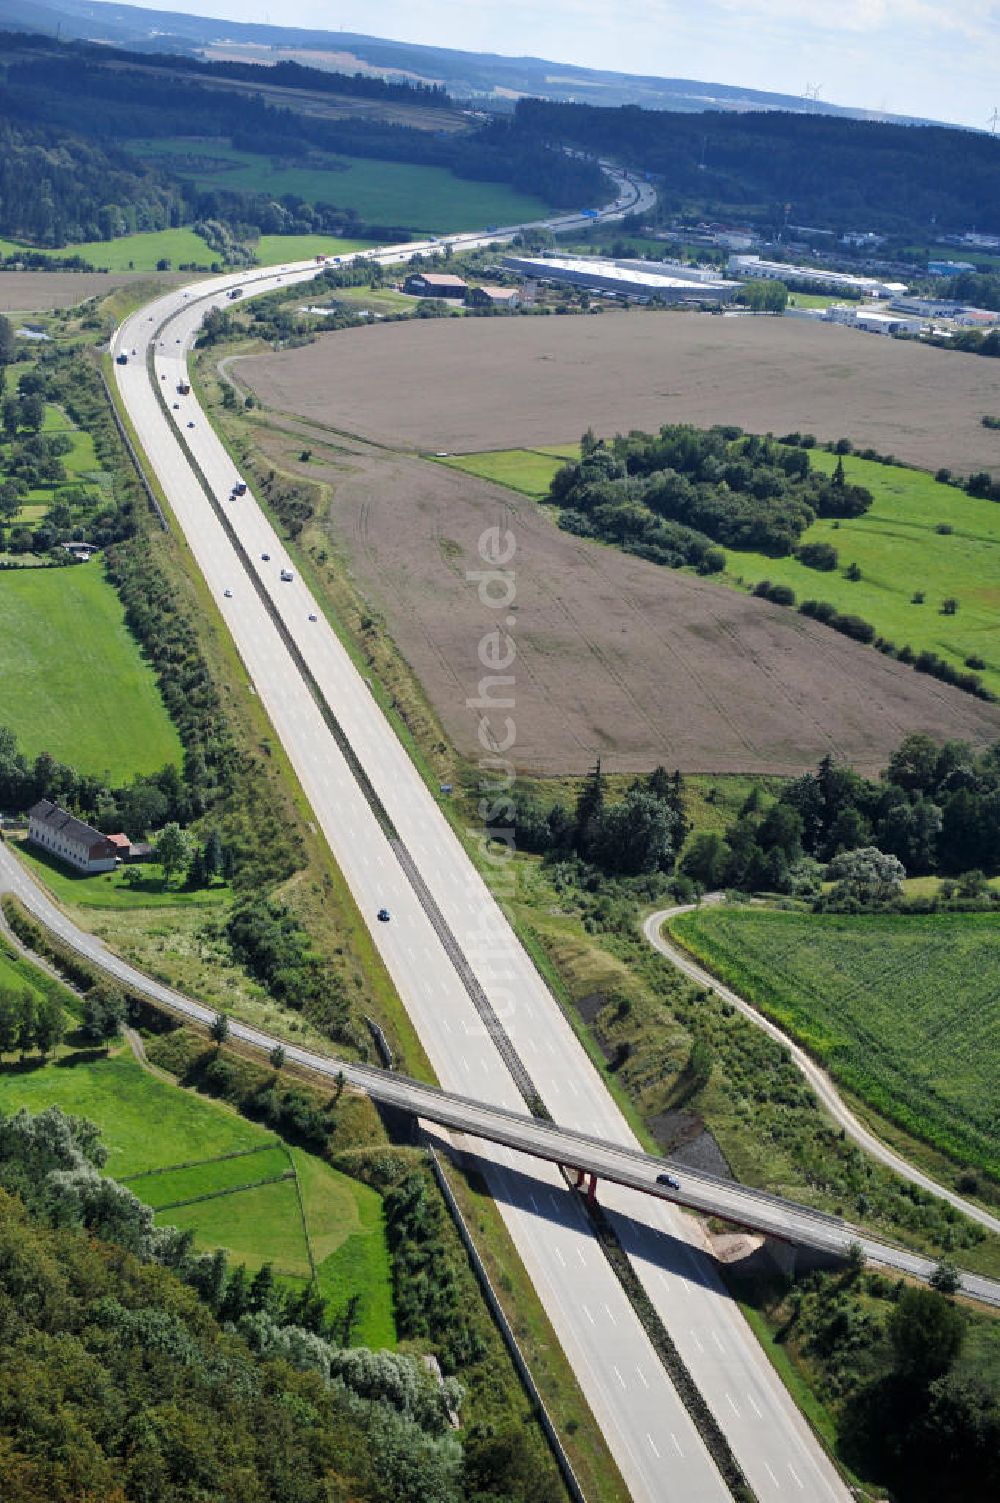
x: 934, y: 810
x: 836, y: 173
x: 636, y: 835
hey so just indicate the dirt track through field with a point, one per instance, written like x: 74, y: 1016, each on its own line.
x: 499, y: 383
x: 614, y: 655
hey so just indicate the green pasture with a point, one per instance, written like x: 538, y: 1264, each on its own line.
x: 347, y: 1232
x: 166, y: 1187
x: 131, y: 252
x: 256, y: 1226
x: 527, y: 470
x: 72, y: 679
x: 903, y: 1010
x: 172, y: 1145
x: 899, y: 552
x: 110, y: 890
x: 272, y: 250
x: 146, y: 1123
x: 389, y: 193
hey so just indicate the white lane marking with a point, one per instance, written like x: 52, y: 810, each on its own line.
x: 677, y: 1445
x: 773, y: 1478
x: 610, y: 1316
x: 619, y: 1377
x: 572, y: 1085
x: 586, y: 1312
x: 652, y: 1445
x: 697, y: 1341
x: 534, y: 1202
x: 732, y: 1405
x: 753, y: 1405
x: 715, y: 1338
x: 642, y: 1377
x: 553, y: 1202
x: 558, y: 1253
x: 579, y: 1253
x: 447, y: 1025
x: 796, y: 1477
x: 465, y: 1064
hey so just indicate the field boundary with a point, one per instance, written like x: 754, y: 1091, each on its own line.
x: 255, y: 1184
x: 219, y: 1158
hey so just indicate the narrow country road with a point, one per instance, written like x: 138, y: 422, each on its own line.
x: 817, y: 1078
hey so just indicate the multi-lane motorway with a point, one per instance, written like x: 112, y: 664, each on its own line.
x: 647, y: 1429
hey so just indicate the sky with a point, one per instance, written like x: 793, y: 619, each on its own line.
x: 933, y: 58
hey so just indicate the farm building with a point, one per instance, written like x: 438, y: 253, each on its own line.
x: 625, y: 279
x: 753, y: 268
x: 493, y: 297
x: 435, y: 284
x: 68, y: 838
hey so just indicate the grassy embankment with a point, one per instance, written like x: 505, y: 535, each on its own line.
x: 270, y: 1204
x: 139, y: 252
x: 903, y: 1010
x: 897, y: 545
x: 383, y: 193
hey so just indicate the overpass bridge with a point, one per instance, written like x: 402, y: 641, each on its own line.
x: 592, y: 1159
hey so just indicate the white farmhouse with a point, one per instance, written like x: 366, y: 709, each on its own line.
x: 68, y: 838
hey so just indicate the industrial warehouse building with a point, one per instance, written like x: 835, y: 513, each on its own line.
x: 640, y: 281
x: 754, y: 269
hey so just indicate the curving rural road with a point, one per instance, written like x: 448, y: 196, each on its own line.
x: 817, y: 1077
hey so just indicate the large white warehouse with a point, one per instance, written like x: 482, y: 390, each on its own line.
x: 753, y: 268
x: 639, y: 280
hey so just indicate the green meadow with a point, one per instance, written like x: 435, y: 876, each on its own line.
x: 245, y: 1190
x: 527, y: 470
x: 273, y: 250
x: 904, y: 1010
x: 132, y: 252
x: 384, y: 193
x: 72, y: 679
x: 900, y: 552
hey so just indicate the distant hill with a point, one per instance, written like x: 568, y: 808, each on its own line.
x: 467, y: 75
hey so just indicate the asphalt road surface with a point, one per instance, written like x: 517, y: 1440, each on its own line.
x: 647, y: 1429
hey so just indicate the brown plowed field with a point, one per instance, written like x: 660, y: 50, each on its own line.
x: 39, y: 291
x: 614, y: 655
x: 517, y: 382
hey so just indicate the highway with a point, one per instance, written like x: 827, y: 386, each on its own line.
x: 647, y: 1429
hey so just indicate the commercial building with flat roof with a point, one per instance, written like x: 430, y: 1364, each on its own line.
x: 754, y: 268
x: 624, y: 279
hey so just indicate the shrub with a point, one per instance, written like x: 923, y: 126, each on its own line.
x: 821, y: 556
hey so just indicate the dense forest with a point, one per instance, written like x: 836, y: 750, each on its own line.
x: 135, y: 1369
x: 57, y: 188
x: 832, y: 172
x: 64, y: 113
x: 669, y: 496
